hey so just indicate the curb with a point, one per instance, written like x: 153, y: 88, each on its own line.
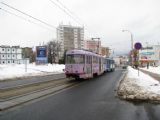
x: 119, y: 82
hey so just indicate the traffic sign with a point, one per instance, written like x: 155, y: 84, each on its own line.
x: 137, y: 46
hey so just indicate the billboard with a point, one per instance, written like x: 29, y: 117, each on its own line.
x: 41, y: 55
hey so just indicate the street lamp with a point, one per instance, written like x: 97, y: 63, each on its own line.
x: 131, y: 37
x: 131, y: 44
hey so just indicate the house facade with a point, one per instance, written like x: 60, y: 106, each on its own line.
x: 10, y: 55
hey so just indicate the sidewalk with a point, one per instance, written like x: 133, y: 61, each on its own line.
x: 154, y: 75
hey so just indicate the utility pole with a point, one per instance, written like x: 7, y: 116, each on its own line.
x: 131, y: 45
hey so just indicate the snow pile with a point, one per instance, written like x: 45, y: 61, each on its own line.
x: 155, y: 70
x: 142, y: 87
x: 11, y: 71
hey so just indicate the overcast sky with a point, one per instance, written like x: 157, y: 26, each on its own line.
x: 101, y: 18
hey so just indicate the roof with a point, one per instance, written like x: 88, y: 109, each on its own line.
x: 79, y: 51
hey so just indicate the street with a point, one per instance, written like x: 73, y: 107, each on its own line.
x: 90, y: 100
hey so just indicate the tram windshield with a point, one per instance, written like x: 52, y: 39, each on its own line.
x: 75, y: 59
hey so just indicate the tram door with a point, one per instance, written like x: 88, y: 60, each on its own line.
x: 92, y: 66
x: 89, y: 65
x: 100, y: 66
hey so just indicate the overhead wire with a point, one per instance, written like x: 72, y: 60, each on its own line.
x: 73, y: 14
x: 47, y: 24
x: 28, y: 15
x: 24, y: 18
x: 65, y: 12
x: 69, y: 11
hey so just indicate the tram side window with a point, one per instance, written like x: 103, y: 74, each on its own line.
x: 90, y: 59
x: 105, y: 61
x: 79, y: 59
x: 97, y: 60
x: 87, y: 59
x: 94, y: 59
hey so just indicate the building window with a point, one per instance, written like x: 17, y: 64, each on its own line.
x: 8, y: 55
x: 2, y: 49
x: 13, y: 55
x: 3, y: 62
x: 13, y: 50
x: 8, y: 61
x: 8, y: 49
x: 3, y: 55
x: 13, y: 61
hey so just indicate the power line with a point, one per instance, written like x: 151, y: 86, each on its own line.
x: 24, y: 18
x: 65, y: 11
x: 69, y: 10
x: 28, y: 15
x: 84, y: 25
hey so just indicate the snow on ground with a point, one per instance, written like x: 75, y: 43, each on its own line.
x: 152, y: 69
x: 18, y: 70
x: 142, y: 87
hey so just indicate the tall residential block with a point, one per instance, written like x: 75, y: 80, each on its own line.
x: 70, y: 37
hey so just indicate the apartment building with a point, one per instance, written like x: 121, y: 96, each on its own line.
x: 70, y: 37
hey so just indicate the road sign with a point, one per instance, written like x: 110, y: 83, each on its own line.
x: 137, y: 46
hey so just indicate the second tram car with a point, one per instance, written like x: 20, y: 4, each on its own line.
x: 109, y: 64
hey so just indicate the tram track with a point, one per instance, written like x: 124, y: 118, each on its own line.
x: 14, y: 91
x: 11, y: 97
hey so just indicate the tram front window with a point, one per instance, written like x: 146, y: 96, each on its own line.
x: 75, y: 59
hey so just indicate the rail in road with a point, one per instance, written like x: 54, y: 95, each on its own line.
x: 11, y: 97
x: 19, y: 91
x: 13, y: 92
x: 29, y: 80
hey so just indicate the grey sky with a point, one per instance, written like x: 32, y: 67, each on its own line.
x: 102, y: 18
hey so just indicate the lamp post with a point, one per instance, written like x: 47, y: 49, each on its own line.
x: 131, y: 44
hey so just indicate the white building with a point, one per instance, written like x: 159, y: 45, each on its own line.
x: 121, y: 60
x: 150, y: 54
x: 70, y: 37
x: 10, y: 55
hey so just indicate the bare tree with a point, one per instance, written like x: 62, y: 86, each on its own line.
x: 27, y: 52
x: 53, y: 51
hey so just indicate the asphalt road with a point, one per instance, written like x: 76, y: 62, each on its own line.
x: 90, y: 100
